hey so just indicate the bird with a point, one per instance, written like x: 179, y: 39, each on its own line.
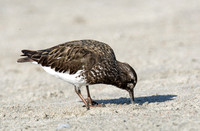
x: 83, y: 63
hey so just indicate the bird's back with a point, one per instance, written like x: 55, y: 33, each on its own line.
x: 97, y: 59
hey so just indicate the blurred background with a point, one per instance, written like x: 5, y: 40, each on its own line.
x: 142, y: 33
x: 40, y: 24
x: 159, y: 38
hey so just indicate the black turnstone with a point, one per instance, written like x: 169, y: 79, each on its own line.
x: 84, y: 63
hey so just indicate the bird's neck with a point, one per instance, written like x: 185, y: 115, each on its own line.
x: 122, y: 76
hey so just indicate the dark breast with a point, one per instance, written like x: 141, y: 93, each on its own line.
x: 105, y: 69
x: 105, y: 72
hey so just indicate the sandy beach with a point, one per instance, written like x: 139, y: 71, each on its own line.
x: 159, y: 39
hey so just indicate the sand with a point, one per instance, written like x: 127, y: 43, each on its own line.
x: 160, y: 39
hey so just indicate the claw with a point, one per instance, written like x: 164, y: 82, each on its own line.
x: 94, y: 104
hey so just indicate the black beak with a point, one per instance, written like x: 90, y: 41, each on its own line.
x: 131, y: 93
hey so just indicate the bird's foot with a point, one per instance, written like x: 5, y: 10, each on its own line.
x: 96, y: 105
x: 92, y: 103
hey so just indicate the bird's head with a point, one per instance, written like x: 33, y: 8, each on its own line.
x: 128, y: 79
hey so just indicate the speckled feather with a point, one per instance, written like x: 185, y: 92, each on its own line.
x: 97, y: 59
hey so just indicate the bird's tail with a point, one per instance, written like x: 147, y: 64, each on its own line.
x: 27, y: 53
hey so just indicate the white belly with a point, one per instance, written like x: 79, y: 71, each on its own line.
x: 74, y: 79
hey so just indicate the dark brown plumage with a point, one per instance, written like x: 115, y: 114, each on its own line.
x: 95, y: 59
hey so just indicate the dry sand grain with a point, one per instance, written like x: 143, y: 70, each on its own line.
x: 160, y: 39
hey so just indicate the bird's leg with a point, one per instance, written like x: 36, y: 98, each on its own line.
x: 78, y: 92
x: 90, y: 101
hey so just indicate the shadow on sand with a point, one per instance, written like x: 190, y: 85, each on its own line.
x: 139, y: 100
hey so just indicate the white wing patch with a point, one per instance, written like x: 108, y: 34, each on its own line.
x: 74, y: 79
